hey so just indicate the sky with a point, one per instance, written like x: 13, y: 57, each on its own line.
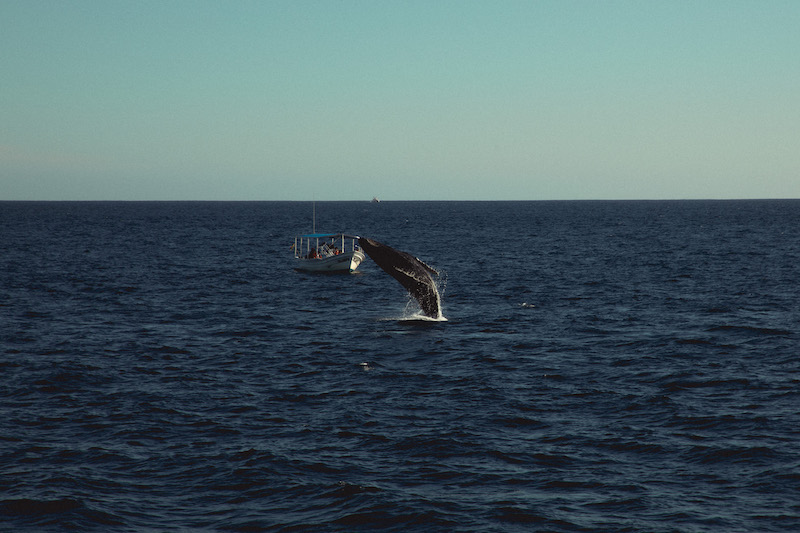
x: 403, y: 100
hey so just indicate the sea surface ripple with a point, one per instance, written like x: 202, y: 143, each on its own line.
x: 605, y: 366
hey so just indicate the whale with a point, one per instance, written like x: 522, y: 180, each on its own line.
x: 413, y: 274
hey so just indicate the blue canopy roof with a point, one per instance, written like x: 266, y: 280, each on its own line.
x: 319, y: 235
x: 324, y: 235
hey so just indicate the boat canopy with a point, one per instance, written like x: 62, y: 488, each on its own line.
x: 325, y: 235
x: 319, y: 235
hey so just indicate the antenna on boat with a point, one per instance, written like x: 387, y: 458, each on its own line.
x: 314, y: 216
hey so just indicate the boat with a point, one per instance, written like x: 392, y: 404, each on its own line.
x: 327, y: 252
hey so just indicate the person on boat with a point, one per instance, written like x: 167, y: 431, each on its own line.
x: 312, y: 254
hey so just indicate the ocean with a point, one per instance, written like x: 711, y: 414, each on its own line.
x: 604, y: 366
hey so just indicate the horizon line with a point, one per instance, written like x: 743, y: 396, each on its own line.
x: 404, y: 200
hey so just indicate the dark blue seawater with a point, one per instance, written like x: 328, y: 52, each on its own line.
x: 605, y: 366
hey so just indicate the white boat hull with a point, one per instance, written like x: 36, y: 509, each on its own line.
x: 343, y: 262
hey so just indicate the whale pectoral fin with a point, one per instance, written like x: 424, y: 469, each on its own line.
x: 409, y: 271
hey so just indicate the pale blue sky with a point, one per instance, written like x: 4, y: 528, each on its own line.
x: 404, y: 100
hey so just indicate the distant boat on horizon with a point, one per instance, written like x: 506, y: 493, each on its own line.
x: 375, y: 200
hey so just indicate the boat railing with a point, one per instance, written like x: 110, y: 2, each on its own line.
x: 305, y: 244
